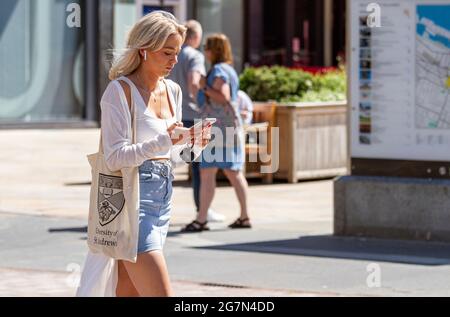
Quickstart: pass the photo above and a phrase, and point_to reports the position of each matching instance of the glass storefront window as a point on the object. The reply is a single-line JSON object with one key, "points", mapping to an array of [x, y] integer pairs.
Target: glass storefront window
{"points": [[127, 12], [125, 15], [224, 16], [41, 62]]}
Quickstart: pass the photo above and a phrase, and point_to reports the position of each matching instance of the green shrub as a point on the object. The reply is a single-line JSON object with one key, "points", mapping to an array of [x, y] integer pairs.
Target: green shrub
{"points": [[287, 85], [333, 81], [323, 95]]}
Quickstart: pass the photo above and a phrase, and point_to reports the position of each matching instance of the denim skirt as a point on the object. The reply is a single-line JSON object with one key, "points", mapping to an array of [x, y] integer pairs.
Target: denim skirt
{"points": [[155, 204], [231, 158]]}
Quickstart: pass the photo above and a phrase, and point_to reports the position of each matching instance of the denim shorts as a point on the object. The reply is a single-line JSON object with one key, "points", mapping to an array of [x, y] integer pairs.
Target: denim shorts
{"points": [[155, 204]]}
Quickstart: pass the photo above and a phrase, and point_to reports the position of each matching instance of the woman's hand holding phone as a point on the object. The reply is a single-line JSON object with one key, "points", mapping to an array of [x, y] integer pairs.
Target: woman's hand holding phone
{"points": [[197, 135], [202, 132], [178, 134]]}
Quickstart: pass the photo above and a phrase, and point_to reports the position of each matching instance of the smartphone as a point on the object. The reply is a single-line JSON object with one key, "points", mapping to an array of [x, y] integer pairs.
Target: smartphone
{"points": [[204, 123], [210, 120]]}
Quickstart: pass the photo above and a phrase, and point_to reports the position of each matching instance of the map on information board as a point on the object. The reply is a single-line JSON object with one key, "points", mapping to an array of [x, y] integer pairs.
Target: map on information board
{"points": [[433, 67]]}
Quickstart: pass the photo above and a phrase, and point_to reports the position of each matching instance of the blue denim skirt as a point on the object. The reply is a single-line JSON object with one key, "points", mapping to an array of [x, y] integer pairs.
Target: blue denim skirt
{"points": [[231, 158], [155, 204]]}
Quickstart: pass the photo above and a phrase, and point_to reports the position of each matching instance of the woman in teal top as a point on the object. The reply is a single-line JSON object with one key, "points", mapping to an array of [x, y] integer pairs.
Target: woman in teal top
{"points": [[219, 92]]}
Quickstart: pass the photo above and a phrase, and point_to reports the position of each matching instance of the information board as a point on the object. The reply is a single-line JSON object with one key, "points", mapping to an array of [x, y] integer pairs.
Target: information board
{"points": [[400, 81]]}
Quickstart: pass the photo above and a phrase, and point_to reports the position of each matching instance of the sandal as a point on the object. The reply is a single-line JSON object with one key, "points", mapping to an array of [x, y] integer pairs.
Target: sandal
{"points": [[240, 224], [195, 226]]}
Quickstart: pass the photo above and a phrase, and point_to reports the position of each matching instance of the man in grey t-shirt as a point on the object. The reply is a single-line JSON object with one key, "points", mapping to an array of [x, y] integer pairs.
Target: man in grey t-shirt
{"points": [[187, 73], [189, 70]]}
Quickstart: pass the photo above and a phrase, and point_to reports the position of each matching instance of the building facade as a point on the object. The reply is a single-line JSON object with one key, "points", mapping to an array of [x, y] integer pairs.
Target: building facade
{"points": [[55, 54]]}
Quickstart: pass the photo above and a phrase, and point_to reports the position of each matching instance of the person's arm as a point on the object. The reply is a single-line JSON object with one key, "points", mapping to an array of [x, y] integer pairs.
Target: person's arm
{"points": [[219, 92], [176, 153], [196, 69], [186, 153], [245, 107], [194, 78]]}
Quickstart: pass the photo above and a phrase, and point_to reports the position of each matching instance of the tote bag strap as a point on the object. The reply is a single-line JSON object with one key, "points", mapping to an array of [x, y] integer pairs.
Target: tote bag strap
{"points": [[133, 90], [131, 107]]}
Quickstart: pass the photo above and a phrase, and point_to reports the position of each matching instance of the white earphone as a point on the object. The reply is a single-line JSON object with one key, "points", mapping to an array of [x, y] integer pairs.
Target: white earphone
{"points": [[145, 55]]}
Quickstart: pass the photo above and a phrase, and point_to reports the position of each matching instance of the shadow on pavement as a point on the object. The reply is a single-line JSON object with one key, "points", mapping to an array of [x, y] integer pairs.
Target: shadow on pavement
{"points": [[78, 184], [77, 229], [252, 182], [395, 251], [187, 184], [177, 232]]}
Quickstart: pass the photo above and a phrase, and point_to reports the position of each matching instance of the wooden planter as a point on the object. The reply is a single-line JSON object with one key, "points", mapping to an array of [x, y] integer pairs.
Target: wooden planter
{"points": [[312, 140]]}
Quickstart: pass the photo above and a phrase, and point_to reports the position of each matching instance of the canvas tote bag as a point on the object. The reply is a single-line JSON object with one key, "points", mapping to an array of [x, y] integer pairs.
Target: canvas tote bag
{"points": [[114, 202]]}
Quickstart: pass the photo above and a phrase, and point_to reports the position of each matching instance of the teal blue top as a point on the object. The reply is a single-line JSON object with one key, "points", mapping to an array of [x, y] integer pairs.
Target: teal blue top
{"points": [[227, 74]]}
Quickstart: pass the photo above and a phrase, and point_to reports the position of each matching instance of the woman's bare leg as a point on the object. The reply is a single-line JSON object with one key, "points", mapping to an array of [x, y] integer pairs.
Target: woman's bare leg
{"points": [[149, 274], [239, 182], [125, 287], [207, 191]]}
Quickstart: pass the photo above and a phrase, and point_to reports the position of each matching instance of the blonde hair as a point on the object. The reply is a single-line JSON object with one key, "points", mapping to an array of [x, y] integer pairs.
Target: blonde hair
{"points": [[150, 32], [219, 46]]}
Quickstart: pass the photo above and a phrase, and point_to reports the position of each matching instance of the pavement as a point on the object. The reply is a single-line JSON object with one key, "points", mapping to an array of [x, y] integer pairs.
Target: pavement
{"points": [[291, 250]]}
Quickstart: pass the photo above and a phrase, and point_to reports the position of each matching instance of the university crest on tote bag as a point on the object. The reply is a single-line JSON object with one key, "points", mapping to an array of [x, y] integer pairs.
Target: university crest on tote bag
{"points": [[111, 199]]}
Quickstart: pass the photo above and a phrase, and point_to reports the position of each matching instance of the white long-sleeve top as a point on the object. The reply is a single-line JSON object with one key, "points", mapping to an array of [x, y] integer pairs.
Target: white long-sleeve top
{"points": [[116, 129]]}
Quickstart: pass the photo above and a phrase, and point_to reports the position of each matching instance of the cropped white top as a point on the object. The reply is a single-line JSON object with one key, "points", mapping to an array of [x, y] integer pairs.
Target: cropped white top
{"points": [[152, 139], [148, 126]]}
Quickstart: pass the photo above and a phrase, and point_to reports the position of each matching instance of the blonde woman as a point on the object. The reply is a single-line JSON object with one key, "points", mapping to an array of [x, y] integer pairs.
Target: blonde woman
{"points": [[138, 76]]}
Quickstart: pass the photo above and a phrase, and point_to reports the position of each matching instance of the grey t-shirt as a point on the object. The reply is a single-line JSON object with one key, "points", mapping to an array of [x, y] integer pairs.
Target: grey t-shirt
{"points": [[189, 60]]}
